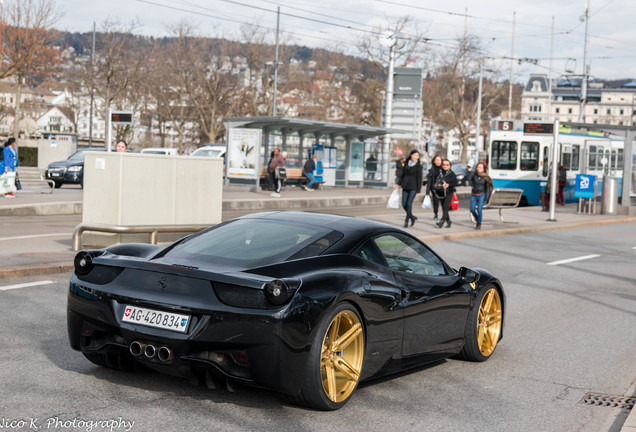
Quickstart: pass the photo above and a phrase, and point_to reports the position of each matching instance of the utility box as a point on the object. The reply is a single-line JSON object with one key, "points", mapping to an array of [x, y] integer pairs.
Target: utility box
{"points": [[131, 189], [55, 148]]}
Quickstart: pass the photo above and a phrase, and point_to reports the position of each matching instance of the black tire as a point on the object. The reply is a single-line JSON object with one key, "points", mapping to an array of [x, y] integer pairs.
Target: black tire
{"points": [[58, 185], [346, 319], [483, 330]]}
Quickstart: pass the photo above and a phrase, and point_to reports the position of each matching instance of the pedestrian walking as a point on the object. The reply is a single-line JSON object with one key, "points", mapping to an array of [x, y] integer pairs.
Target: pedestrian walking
{"points": [[433, 173], [562, 179], [481, 185], [444, 189], [411, 182], [308, 171], [10, 154]]}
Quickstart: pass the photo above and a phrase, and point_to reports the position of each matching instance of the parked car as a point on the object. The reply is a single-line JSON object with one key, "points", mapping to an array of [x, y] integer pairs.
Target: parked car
{"points": [[69, 171], [306, 304], [161, 151], [461, 172], [215, 151]]}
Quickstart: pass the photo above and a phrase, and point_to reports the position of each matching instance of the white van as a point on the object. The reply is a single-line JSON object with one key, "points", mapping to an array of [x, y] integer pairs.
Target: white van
{"points": [[161, 151]]}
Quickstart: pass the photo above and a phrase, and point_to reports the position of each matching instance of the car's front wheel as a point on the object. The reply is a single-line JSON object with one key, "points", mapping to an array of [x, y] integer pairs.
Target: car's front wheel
{"points": [[335, 363], [484, 326]]}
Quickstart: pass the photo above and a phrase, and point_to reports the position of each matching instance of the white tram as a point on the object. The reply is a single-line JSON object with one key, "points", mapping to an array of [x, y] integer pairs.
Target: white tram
{"points": [[519, 156]]}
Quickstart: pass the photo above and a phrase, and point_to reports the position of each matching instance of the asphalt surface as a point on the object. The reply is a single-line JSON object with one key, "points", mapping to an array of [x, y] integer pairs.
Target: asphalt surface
{"points": [[35, 241], [569, 331]]}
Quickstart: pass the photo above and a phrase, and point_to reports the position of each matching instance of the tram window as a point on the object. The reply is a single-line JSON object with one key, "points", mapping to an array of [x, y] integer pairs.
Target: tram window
{"points": [[592, 156], [566, 160], [619, 166], [529, 156], [504, 155], [546, 153], [576, 154]]}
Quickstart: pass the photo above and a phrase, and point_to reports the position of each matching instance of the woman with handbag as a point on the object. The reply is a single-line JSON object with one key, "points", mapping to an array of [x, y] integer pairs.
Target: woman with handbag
{"points": [[411, 181], [481, 184], [433, 173], [10, 154], [444, 189]]}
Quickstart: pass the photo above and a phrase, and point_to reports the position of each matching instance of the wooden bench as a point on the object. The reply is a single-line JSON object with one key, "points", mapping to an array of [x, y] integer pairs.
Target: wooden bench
{"points": [[294, 174], [502, 199]]}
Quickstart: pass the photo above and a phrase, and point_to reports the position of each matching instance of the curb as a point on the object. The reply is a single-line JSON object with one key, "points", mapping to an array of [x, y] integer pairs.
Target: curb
{"points": [[43, 209], [265, 203], [35, 270], [524, 230]]}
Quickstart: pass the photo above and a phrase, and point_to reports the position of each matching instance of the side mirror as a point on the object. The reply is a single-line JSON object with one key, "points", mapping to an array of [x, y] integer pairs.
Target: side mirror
{"points": [[467, 275]]}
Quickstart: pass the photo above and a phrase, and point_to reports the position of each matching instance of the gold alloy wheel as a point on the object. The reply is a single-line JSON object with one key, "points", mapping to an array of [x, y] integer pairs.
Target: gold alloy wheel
{"points": [[489, 322], [341, 356]]}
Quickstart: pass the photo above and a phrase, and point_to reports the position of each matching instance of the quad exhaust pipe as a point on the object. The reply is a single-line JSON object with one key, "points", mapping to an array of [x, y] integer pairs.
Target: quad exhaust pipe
{"points": [[162, 353]]}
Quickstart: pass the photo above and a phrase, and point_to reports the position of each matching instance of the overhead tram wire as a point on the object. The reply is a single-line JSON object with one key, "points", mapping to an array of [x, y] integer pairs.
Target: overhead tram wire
{"points": [[243, 22]]}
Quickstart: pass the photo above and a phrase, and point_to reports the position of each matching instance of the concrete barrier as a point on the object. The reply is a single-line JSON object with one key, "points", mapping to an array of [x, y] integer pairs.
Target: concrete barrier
{"points": [[129, 189]]}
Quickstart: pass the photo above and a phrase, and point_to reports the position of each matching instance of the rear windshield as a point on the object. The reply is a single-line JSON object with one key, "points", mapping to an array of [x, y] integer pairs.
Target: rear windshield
{"points": [[255, 242]]}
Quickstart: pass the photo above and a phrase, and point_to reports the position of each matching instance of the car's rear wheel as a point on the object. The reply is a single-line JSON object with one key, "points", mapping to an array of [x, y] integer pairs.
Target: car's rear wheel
{"points": [[335, 362], [484, 326]]}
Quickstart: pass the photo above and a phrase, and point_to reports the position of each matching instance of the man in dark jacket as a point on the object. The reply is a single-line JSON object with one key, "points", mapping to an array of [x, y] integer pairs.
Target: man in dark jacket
{"points": [[308, 171]]}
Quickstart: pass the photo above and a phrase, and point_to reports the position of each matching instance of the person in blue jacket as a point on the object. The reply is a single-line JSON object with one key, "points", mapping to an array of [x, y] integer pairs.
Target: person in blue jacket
{"points": [[10, 154]]}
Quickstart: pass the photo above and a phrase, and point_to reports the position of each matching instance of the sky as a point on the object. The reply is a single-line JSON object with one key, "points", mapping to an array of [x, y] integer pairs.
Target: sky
{"points": [[340, 24]]}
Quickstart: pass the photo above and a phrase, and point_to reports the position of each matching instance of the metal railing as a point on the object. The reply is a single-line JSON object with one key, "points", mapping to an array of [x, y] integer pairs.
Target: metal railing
{"points": [[152, 231]]}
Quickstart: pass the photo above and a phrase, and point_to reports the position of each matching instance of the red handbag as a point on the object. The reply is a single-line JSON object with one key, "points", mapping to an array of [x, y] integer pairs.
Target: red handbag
{"points": [[454, 205]]}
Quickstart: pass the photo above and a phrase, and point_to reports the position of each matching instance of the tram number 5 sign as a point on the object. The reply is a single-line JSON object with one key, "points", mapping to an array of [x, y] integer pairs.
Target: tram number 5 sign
{"points": [[504, 125]]}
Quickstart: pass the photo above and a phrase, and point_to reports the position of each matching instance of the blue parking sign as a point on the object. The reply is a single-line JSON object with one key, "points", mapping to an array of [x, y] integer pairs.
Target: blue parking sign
{"points": [[585, 186]]}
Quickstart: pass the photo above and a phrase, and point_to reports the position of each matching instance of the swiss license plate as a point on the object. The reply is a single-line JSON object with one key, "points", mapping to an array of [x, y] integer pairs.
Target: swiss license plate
{"points": [[159, 319]]}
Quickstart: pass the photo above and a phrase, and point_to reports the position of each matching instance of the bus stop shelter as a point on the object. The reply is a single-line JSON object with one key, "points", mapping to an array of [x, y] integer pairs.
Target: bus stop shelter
{"points": [[352, 155]]}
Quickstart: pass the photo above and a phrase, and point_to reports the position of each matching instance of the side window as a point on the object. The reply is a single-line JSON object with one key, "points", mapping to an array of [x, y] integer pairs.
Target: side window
{"points": [[405, 254], [576, 151], [546, 155], [369, 251]]}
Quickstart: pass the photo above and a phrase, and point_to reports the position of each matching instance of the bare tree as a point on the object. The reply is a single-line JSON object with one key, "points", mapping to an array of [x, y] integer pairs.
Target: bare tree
{"points": [[26, 47], [118, 67], [450, 93], [172, 80]]}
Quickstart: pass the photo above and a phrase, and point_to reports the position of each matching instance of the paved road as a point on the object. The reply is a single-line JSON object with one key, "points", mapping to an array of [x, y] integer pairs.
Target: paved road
{"points": [[569, 331]]}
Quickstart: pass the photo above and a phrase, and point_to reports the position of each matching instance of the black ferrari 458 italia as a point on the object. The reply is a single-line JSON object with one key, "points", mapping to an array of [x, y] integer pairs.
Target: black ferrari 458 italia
{"points": [[301, 303]]}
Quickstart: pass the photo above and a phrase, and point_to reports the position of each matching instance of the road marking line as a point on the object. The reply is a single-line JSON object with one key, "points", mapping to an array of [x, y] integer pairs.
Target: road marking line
{"points": [[565, 261], [24, 285], [36, 236]]}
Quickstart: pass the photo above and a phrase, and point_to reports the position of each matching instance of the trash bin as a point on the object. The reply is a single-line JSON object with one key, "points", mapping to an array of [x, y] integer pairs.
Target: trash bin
{"points": [[609, 196]]}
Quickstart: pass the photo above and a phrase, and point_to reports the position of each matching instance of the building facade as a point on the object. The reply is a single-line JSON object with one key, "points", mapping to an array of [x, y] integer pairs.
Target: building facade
{"points": [[606, 104]]}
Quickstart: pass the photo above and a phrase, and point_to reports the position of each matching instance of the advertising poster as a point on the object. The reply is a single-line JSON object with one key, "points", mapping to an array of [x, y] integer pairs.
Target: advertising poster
{"points": [[356, 161], [243, 149]]}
